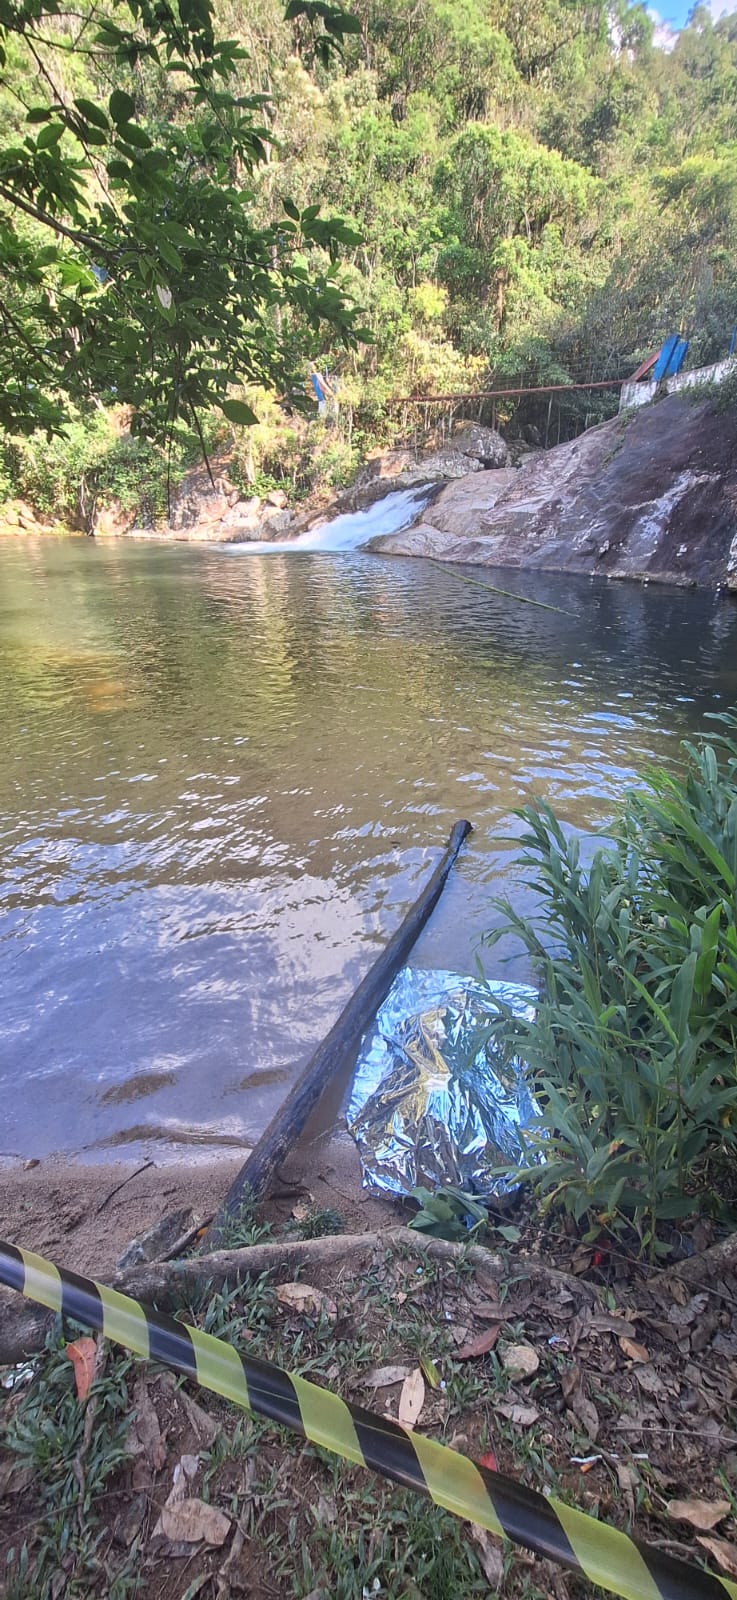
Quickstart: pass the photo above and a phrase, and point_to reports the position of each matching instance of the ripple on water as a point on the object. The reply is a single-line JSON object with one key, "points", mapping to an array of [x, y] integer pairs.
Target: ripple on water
{"points": [[224, 781]]}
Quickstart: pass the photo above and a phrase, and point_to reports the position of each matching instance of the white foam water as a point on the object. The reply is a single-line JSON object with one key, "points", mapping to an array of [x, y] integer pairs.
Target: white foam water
{"points": [[352, 530]]}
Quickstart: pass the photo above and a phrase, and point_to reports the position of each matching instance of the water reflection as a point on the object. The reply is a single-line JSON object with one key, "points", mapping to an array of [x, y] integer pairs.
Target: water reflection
{"points": [[225, 779]]}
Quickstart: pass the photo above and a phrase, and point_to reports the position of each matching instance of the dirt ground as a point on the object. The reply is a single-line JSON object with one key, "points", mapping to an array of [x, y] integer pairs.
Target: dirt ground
{"points": [[85, 1216], [605, 1382]]}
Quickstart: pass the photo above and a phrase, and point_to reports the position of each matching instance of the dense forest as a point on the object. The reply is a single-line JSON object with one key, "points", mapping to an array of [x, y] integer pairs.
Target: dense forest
{"points": [[451, 194]]}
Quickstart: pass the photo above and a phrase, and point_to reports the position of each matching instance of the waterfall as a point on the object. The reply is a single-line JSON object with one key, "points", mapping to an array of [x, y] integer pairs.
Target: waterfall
{"points": [[350, 531]]}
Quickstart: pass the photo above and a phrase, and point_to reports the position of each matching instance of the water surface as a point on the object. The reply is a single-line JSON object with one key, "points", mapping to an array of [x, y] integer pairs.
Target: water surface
{"points": [[224, 779]]}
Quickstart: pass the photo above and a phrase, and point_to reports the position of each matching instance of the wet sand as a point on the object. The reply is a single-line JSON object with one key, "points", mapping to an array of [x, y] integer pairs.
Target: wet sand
{"points": [[68, 1210]]}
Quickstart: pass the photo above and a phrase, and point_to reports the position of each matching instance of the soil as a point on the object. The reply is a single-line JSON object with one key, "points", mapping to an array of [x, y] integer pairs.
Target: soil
{"points": [[623, 1403], [72, 1212]]}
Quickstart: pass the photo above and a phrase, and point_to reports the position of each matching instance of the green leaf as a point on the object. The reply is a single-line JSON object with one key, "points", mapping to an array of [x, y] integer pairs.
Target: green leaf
{"points": [[171, 256], [50, 135], [122, 106], [291, 210], [92, 113], [39, 114], [237, 411], [131, 134], [681, 998]]}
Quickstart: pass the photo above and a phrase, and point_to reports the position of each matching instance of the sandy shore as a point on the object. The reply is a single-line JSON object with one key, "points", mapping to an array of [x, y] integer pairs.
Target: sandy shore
{"points": [[71, 1212]]}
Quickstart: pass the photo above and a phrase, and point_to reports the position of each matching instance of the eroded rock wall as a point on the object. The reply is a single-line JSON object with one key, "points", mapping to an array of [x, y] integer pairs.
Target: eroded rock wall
{"points": [[649, 496]]}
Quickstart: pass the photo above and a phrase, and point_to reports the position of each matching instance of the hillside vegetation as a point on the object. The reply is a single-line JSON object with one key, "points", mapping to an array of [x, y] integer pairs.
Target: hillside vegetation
{"points": [[523, 195]]}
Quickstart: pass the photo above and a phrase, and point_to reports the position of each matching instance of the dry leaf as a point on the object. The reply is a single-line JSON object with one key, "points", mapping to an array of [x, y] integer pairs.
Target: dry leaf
{"points": [[520, 1361], [412, 1398], [302, 1297], [628, 1479], [192, 1521], [635, 1351], [480, 1345], [489, 1554], [144, 1437], [703, 1514], [647, 1378], [326, 1510], [384, 1377], [82, 1354], [522, 1416], [587, 1414], [724, 1554]]}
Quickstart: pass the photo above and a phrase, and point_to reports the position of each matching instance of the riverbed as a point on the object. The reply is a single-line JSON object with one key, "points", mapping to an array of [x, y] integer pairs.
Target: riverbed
{"points": [[225, 779]]}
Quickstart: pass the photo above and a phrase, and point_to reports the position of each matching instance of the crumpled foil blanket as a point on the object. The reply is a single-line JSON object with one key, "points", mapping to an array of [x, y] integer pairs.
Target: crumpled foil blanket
{"points": [[432, 1101]]}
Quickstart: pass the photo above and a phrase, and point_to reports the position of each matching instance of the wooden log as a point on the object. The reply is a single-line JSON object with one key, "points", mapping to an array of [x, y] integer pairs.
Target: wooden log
{"points": [[336, 1050], [168, 1285]]}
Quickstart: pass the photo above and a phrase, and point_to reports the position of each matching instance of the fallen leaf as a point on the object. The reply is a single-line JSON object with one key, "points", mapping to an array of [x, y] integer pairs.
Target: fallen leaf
{"points": [[602, 1322], [302, 1297], [480, 1345], [192, 1521], [520, 1361], [384, 1377], [647, 1378], [587, 1414], [82, 1354], [430, 1372], [635, 1351], [489, 1460], [724, 1554], [521, 1416], [703, 1514], [628, 1479], [412, 1398], [489, 1554], [144, 1437], [326, 1510]]}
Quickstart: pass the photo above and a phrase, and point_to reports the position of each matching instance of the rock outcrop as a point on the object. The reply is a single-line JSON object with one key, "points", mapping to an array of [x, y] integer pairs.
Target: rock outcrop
{"points": [[16, 516], [649, 496], [469, 449], [214, 512]]}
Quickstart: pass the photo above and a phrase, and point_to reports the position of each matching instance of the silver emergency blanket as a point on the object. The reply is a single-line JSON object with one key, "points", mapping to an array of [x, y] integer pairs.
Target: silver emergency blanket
{"points": [[432, 1100]]}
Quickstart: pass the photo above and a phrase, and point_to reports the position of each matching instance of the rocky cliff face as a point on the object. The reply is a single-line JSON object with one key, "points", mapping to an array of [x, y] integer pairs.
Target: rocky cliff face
{"points": [[651, 496]]}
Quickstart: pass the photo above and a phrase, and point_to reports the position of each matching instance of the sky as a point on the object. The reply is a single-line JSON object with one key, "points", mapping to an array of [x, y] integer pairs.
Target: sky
{"points": [[670, 15]]}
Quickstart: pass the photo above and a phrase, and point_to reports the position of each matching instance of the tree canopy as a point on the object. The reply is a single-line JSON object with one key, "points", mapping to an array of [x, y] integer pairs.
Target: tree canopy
{"points": [[197, 197], [133, 263]]}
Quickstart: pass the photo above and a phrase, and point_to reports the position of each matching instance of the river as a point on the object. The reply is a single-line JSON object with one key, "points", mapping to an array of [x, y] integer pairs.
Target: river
{"points": [[225, 776]]}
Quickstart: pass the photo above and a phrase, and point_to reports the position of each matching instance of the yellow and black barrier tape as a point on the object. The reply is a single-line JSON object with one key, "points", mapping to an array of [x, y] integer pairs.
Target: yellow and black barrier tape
{"points": [[607, 1557]]}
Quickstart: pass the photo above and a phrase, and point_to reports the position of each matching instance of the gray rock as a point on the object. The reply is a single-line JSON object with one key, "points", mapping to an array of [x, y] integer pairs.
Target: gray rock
{"points": [[650, 495], [484, 445]]}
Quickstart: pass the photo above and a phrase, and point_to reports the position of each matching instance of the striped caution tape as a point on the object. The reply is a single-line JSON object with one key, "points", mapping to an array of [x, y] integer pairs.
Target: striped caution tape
{"points": [[548, 1527]]}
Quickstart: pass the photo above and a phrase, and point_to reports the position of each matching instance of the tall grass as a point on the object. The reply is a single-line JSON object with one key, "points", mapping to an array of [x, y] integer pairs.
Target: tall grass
{"points": [[634, 1043]]}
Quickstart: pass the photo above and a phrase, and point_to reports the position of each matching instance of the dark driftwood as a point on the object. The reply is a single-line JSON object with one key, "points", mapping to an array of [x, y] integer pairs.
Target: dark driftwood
{"points": [[336, 1051], [168, 1284]]}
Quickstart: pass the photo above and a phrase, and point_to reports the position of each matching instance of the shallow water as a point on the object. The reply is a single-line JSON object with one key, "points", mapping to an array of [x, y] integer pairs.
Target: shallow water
{"points": [[224, 781]]}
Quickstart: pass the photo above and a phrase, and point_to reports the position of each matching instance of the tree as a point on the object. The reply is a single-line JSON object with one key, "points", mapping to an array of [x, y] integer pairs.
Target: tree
{"points": [[131, 267]]}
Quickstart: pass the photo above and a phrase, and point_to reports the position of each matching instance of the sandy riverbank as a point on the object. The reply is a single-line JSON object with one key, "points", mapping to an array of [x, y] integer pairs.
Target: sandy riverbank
{"points": [[71, 1212]]}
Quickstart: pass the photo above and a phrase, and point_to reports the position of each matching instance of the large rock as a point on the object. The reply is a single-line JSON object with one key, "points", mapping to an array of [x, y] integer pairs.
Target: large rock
{"points": [[651, 496], [112, 521], [470, 449], [484, 445]]}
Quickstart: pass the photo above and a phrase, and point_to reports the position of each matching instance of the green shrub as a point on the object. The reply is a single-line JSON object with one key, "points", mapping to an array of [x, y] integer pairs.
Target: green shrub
{"points": [[634, 1042]]}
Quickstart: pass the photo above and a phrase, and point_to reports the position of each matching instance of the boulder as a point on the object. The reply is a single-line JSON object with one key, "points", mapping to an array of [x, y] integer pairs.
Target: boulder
{"points": [[276, 497], [650, 495], [112, 521], [481, 444]]}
